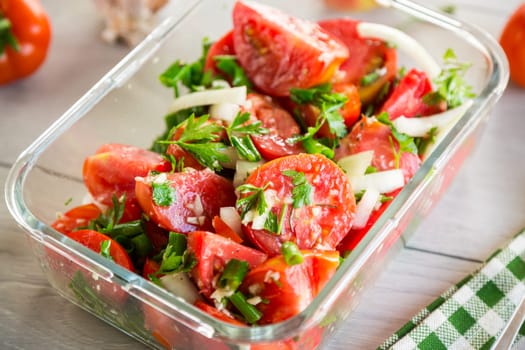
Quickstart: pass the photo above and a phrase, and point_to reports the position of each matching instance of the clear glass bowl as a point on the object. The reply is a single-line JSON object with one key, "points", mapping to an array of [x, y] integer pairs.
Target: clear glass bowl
{"points": [[127, 106]]}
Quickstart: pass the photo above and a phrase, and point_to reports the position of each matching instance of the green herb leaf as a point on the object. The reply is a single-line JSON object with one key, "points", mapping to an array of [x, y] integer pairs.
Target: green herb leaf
{"points": [[254, 200], [238, 133], [302, 192], [191, 75], [406, 143], [329, 104], [176, 258], [229, 65], [451, 84], [163, 193], [201, 140]]}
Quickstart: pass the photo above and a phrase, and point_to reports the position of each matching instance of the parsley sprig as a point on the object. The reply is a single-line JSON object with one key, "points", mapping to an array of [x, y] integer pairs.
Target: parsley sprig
{"points": [[302, 192], [201, 140], [451, 84], [163, 193], [228, 65], [406, 143], [254, 200], [239, 132], [329, 103], [176, 257]]}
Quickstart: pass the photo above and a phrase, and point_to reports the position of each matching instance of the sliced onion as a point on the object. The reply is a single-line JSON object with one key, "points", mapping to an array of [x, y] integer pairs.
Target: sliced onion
{"points": [[404, 43], [419, 127], [365, 207], [224, 111], [232, 154], [382, 181], [180, 284], [235, 95], [356, 164], [243, 168], [231, 217]]}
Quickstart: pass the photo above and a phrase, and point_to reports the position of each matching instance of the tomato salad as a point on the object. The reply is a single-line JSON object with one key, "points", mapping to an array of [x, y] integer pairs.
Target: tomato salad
{"points": [[290, 141]]}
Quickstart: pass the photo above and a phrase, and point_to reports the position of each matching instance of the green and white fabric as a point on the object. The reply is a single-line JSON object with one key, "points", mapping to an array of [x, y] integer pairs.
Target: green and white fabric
{"points": [[471, 314]]}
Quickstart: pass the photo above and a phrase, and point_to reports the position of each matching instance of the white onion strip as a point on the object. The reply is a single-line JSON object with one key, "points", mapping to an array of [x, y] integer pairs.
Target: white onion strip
{"points": [[231, 217], [382, 181], [180, 284], [235, 95], [365, 207], [419, 127], [224, 111], [404, 43], [356, 164]]}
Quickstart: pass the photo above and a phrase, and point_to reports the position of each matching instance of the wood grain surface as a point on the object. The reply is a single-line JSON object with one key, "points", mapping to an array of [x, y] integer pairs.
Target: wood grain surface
{"points": [[483, 208]]}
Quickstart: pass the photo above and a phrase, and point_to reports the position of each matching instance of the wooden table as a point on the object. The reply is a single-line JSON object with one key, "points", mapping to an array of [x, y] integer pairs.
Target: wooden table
{"points": [[483, 208]]}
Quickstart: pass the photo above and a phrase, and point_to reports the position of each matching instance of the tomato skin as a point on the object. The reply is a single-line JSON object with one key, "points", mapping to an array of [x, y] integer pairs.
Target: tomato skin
{"points": [[407, 97], [366, 54], [76, 217], [279, 52], [370, 134], [191, 186], [221, 228], [320, 225], [112, 171], [297, 284], [280, 124], [223, 46], [512, 41], [213, 252], [32, 31], [93, 240]]}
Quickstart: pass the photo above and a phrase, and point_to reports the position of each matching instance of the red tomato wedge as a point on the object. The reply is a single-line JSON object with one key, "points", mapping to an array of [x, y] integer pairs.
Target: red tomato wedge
{"points": [[279, 52], [76, 218], [289, 289], [321, 224], [198, 197], [280, 124], [213, 252], [223, 46], [370, 134], [407, 97], [366, 55], [112, 171], [221, 228], [93, 240]]}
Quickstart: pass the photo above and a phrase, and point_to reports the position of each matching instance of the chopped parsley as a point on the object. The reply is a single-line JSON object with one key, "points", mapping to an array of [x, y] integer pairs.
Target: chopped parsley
{"points": [[254, 200], [302, 192], [176, 257], [239, 132], [228, 64], [406, 143], [163, 193], [452, 87], [201, 140]]}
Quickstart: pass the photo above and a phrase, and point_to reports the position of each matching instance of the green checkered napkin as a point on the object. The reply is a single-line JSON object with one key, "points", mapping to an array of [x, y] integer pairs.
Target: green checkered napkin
{"points": [[471, 314]]}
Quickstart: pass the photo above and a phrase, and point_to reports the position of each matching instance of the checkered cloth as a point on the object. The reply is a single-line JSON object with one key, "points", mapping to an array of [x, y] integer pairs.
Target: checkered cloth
{"points": [[471, 314]]}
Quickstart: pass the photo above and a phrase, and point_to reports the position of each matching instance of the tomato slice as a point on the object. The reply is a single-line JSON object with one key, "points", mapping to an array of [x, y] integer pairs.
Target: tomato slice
{"points": [[112, 171], [370, 134], [198, 197], [279, 52], [223, 46], [366, 55], [76, 218], [321, 224], [213, 252], [407, 97], [289, 289], [280, 124], [221, 228], [93, 240]]}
